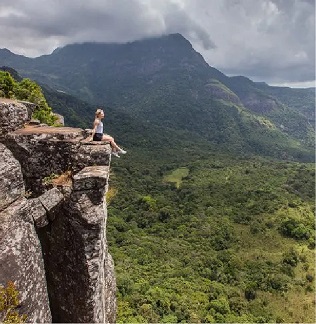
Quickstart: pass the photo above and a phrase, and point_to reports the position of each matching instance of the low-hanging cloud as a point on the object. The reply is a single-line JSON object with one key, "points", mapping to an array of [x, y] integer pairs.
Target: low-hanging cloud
{"points": [[266, 40]]}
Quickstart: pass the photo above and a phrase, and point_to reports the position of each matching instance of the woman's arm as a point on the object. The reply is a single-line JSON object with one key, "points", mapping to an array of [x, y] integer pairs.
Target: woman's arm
{"points": [[95, 124]]}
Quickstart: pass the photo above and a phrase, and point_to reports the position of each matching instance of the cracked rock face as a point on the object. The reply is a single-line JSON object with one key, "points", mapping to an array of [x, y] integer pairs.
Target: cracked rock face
{"points": [[11, 179], [20, 249], [77, 250], [43, 151]]}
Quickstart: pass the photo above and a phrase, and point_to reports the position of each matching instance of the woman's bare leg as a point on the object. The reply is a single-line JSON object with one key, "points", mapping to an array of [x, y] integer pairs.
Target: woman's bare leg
{"points": [[108, 138]]}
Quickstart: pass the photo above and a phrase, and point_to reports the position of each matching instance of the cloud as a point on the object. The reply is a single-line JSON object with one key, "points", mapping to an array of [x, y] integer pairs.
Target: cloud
{"points": [[266, 40]]}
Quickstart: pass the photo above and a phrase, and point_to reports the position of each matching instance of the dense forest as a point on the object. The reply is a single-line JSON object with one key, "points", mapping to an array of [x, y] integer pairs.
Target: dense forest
{"points": [[204, 237]]}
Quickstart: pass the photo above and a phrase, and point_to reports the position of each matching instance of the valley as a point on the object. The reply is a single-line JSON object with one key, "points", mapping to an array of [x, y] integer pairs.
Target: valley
{"points": [[211, 211]]}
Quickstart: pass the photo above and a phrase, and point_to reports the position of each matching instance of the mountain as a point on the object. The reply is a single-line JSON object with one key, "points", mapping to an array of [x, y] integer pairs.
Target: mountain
{"points": [[164, 82], [197, 234], [75, 111], [292, 110]]}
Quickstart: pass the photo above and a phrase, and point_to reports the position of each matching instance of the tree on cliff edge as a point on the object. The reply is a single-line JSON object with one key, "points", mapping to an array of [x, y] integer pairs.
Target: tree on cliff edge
{"points": [[27, 90]]}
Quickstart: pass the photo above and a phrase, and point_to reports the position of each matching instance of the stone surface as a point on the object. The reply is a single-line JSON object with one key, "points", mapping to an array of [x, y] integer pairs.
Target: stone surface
{"points": [[77, 250], [91, 154], [92, 177], [257, 103], [21, 261], [219, 91], [53, 243], [13, 115], [110, 289], [38, 213], [52, 200], [11, 179], [43, 151]]}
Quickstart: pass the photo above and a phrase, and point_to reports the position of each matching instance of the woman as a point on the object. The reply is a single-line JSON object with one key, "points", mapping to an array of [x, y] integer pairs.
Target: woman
{"points": [[97, 134]]}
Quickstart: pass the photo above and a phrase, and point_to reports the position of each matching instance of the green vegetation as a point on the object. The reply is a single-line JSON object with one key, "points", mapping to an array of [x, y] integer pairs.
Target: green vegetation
{"points": [[27, 90], [9, 302], [197, 235], [49, 179], [231, 242], [76, 113], [164, 83], [176, 176]]}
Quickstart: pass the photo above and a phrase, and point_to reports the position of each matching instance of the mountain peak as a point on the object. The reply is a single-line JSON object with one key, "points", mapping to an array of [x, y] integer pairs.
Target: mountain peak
{"points": [[4, 52], [167, 39]]}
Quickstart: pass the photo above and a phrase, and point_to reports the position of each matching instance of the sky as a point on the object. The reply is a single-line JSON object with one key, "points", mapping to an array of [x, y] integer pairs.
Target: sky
{"points": [[266, 40]]}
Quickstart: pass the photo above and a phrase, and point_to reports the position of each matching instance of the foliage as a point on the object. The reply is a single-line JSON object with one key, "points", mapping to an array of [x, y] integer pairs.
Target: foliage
{"points": [[76, 112], [53, 179], [293, 227], [210, 250], [6, 85], [49, 178], [9, 302], [27, 90], [177, 175]]}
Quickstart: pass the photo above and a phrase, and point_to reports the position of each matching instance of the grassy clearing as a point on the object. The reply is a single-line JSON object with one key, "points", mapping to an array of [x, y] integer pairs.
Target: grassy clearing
{"points": [[177, 175]]}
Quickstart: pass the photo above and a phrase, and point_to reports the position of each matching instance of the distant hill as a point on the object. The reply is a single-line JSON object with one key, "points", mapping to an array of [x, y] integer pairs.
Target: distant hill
{"points": [[165, 83]]}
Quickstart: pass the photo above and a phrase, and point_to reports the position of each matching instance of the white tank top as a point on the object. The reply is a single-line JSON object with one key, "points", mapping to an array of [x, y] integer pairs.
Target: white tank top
{"points": [[99, 128]]}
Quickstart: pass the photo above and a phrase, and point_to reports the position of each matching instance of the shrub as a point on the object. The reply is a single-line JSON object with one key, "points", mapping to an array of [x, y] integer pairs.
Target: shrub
{"points": [[291, 258], [309, 277], [6, 84], [278, 282], [220, 305], [9, 302], [250, 292], [294, 228]]}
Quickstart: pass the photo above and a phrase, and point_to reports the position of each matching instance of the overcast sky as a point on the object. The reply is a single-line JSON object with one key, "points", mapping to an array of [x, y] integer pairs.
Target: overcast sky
{"points": [[265, 40]]}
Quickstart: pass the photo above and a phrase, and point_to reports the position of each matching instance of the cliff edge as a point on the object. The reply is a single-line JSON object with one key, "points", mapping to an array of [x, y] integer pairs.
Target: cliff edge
{"points": [[53, 220]]}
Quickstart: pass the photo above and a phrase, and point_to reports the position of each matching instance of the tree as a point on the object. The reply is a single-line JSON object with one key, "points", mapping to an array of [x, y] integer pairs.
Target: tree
{"points": [[27, 90], [7, 84], [30, 91]]}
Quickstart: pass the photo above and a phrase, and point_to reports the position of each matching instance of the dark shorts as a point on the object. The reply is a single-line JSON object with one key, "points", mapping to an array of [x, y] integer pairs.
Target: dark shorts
{"points": [[97, 137]]}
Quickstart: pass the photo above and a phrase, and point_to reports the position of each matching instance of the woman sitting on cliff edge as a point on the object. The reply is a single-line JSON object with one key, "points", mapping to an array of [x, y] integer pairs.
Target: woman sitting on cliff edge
{"points": [[97, 134]]}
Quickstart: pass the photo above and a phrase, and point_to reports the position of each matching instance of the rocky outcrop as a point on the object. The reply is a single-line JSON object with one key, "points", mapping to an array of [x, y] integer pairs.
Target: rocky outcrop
{"points": [[258, 102], [20, 249], [220, 92], [44, 151], [53, 236], [13, 115], [77, 277]]}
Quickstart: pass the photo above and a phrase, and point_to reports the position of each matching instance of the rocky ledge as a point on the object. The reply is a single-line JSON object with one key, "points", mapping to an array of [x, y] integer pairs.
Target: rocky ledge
{"points": [[53, 220]]}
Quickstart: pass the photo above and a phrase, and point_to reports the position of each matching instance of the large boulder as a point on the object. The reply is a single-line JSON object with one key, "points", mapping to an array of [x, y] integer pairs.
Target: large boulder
{"points": [[13, 115], [59, 225]]}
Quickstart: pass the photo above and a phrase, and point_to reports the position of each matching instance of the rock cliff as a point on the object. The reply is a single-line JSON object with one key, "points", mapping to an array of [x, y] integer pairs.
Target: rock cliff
{"points": [[53, 220]]}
